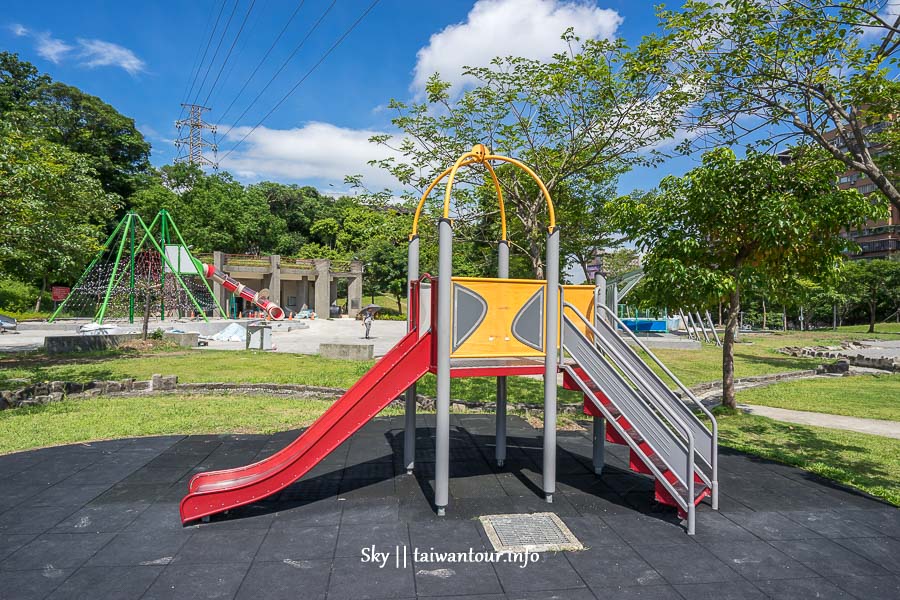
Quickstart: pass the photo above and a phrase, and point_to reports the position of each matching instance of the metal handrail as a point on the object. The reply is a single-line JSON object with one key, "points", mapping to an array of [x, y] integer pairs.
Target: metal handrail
{"points": [[621, 431], [689, 394], [685, 503], [659, 403]]}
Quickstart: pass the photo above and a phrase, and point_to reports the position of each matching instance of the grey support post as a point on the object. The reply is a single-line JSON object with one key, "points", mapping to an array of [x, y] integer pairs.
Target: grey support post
{"points": [[599, 429], [551, 364], [712, 328], [702, 327], [409, 427], [442, 425], [500, 436]]}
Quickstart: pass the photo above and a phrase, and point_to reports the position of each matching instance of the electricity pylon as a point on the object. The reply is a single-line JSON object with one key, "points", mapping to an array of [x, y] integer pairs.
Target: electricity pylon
{"points": [[194, 138]]}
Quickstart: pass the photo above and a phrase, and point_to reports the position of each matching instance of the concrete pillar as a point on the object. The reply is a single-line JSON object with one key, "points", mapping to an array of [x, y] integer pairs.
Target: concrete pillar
{"points": [[275, 279], [354, 288], [323, 287], [302, 292], [220, 292]]}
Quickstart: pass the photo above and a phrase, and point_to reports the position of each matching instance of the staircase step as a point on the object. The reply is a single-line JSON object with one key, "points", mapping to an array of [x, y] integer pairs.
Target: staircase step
{"points": [[663, 496]]}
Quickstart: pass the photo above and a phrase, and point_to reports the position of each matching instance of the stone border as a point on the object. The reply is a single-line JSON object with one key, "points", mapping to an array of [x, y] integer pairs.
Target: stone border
{"points": [[844, 352], [55, 391]]}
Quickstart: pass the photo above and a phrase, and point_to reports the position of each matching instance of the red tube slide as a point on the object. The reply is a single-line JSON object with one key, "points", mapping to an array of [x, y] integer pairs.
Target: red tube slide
{"points": [[274, 311]]}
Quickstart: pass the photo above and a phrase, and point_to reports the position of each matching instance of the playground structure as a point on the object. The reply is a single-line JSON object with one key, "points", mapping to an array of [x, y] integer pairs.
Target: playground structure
{"points": [[270, 308], [500, 327], [130, 274], [695, 326]]}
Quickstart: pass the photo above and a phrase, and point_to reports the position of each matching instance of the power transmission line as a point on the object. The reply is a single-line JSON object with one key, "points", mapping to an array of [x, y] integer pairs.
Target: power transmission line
{"points": [[305, 76], [205, 51], [283, 64], [263, 59], [230, 50], [216, 53]]}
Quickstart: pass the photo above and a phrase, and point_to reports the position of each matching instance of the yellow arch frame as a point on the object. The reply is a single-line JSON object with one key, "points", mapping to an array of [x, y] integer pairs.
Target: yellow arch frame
{"points": [[480, 155]]}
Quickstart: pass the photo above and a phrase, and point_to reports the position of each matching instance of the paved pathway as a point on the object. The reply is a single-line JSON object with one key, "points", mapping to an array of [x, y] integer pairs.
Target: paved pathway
{"points": [[872, 426], [100, 521]]}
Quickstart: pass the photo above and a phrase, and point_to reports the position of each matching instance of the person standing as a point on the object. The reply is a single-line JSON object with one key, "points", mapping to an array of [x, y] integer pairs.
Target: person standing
{"points": [[367, 322]]}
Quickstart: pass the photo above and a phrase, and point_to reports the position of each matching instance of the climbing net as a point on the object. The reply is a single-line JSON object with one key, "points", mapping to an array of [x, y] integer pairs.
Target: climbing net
{"points": [[107, 290]]}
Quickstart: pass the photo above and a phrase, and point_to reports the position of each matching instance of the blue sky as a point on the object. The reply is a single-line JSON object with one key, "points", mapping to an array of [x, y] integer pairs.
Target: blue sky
{"points": [[138, 56]]}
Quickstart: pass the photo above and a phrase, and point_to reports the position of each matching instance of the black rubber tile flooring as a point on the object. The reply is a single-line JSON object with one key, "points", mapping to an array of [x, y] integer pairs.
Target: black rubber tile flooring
{"points": [[100, 521]]}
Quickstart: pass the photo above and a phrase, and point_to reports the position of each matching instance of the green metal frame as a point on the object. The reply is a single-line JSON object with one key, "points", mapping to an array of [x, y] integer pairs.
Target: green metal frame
{"points": [[112, 279], [97, 257], [131, 221], [197, 264]]}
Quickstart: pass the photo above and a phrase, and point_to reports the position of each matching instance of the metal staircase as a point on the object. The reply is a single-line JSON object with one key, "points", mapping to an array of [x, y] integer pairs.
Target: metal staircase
{"points": [[666, 438]]}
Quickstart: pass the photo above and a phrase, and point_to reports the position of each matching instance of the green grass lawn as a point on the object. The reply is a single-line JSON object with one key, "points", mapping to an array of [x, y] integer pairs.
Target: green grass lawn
{"points": [[867, 396], [868, 462], [103, 418], [756, 353], [252, 367]]}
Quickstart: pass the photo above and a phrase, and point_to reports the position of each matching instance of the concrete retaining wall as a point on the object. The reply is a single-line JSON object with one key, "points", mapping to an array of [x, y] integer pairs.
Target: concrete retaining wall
{"points": [[88, 343], [348, 351]]}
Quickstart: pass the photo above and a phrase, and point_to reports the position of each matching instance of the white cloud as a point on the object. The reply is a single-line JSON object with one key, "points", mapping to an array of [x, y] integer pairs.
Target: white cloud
{"points": [[51, 48], [91, 53], [525, 28], [98, 53], [318, 151]]}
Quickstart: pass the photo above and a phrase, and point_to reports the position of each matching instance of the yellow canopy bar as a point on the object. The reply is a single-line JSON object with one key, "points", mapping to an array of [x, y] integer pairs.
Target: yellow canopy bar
{"points": [[479, 155]]}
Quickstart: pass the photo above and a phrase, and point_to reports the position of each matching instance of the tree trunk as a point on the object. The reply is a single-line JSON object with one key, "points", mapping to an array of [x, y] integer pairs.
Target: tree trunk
{"points": [[399, 306], [764, 313], [37, 305], [731, 326], [872, 306], [783, 318], [720, 313], [146, 325]]}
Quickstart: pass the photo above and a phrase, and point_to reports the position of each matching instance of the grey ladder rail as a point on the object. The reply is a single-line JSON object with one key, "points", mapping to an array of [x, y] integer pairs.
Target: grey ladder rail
{"points": [[706, 438], [654, 427]]}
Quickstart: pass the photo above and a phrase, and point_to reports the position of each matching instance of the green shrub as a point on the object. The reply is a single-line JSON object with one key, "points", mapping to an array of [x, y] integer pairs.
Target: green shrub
{"points": [[27, 315], [383, 316], [18, 296]]}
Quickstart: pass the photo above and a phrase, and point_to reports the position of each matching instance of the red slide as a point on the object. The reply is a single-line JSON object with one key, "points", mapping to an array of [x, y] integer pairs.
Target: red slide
{"points": [[216, 491]]}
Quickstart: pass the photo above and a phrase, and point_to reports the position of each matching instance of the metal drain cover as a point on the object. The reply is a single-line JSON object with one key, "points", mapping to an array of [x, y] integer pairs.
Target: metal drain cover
{"points": [[538, 532]]}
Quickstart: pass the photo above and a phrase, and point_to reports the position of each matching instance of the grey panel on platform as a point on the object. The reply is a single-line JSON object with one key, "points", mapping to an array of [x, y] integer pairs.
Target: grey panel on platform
{"points": [[528, 324], [469, 310]]}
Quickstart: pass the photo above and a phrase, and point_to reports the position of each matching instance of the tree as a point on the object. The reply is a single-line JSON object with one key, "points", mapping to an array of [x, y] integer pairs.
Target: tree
{"points": [[769, 71], [213, 212], [20, 86], [87, 125], [578, 120], [871, 282], [620, 261], [730, 224], [52, 208], [80, 122]]}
